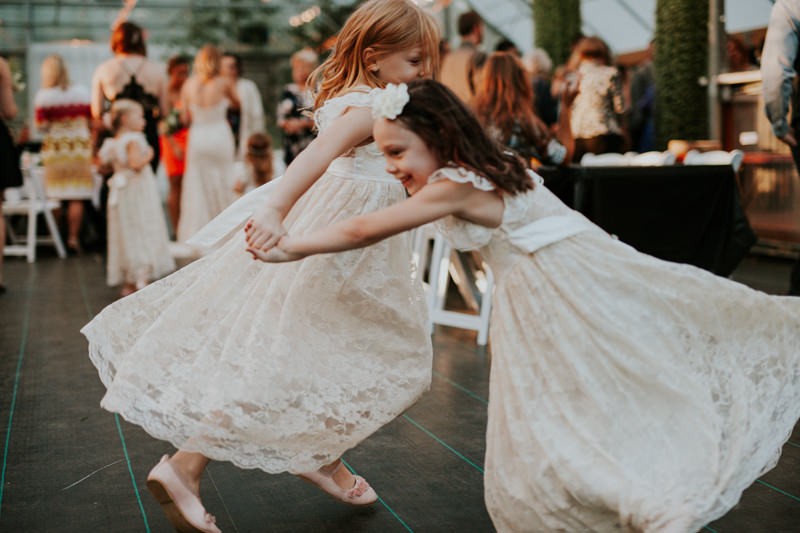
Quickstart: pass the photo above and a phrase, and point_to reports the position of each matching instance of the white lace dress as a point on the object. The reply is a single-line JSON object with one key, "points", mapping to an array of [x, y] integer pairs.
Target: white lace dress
{"points": [[138, 242], [627, 393], [280, 367], [207, 186]]}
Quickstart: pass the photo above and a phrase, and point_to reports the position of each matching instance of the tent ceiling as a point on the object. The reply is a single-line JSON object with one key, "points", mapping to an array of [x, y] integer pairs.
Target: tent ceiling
{"points": [[627, 25]]}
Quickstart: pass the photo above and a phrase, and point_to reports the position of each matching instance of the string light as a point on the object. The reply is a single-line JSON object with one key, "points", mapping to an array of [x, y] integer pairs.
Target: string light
{"points": [[305, 17]]}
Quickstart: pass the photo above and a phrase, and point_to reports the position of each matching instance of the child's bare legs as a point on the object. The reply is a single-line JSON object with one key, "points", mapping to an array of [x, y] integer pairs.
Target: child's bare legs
{"points": [[342, 476], [74, 219], [175, 483], [190, 466]]}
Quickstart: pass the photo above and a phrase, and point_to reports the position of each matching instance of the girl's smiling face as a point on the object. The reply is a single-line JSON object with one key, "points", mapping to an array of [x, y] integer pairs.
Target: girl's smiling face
{"points": [[400, 67], [408, 157]]}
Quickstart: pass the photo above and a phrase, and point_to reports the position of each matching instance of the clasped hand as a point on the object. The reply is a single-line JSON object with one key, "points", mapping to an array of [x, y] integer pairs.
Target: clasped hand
{"points": [[264, 232]]}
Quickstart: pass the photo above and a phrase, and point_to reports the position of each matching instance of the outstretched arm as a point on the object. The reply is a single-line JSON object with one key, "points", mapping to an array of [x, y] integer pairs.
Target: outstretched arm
{"points": [[431, 203], [349, 130]]}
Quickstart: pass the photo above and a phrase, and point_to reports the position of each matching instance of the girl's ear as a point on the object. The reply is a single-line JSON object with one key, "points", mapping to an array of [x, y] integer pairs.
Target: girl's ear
{"points": [[371, 60]]}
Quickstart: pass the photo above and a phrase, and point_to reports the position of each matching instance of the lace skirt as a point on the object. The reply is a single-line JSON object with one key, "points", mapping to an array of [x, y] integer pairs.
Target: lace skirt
{"points": [[280, 367], [628, 393]]}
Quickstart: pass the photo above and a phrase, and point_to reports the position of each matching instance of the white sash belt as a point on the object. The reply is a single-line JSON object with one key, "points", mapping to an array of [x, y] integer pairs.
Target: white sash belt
{"points": [[548, 230]]}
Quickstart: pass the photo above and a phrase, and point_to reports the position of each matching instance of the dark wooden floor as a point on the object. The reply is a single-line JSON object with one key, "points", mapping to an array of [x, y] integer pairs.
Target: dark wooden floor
{"points": [[69, 466]]}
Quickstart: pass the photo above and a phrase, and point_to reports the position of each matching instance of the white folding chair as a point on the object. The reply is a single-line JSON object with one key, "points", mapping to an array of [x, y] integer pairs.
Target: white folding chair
{"points": [[651, 159], [611, 159], [715, 157], [440, 270], [30, 201]]}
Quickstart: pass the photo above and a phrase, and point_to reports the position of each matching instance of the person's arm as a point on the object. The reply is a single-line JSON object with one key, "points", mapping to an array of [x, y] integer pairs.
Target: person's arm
{"points": [[138, 156], [345, 132], [777, 68], [564, 129], [186, 101], [230, 91], [8, 108], [97, 96], [431, 203]]}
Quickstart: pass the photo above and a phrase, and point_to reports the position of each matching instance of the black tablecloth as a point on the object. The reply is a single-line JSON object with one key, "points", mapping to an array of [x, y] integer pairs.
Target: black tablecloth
{"points": [[687, 214]]}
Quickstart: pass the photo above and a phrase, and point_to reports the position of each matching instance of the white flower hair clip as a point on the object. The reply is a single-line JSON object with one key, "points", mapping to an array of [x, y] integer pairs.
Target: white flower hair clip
{"points": [[389, 102]]}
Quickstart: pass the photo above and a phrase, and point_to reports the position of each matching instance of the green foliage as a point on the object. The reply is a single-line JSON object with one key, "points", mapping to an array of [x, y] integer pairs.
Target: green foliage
{"points": [[557, 23], [681, 60], [233, 24]]}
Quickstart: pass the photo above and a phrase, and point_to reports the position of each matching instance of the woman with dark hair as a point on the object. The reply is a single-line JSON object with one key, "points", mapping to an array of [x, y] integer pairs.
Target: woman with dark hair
{"points": [[504, 104], [130, 75]]}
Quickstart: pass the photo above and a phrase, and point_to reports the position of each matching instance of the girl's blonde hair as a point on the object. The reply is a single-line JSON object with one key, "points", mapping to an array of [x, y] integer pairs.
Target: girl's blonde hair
{"points": [[119, 109], [207, 62], [54, 72], [386, 27]]}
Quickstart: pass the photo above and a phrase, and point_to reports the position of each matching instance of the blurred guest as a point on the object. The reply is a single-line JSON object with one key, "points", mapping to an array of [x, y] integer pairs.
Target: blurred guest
{"points": [[210, 152], [130, 75], [174, 134], [740, 57], [455, 65], [10, 174], [506, 45], [296, 103], [779, 66], [248, 118], [63, 115], [643, 103], [504, 105], [475, 71], [597, 109], [257, 168], [540, 66]]}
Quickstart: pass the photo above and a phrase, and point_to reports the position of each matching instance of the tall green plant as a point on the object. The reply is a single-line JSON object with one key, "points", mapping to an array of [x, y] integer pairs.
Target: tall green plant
{"points": [[557, 23], [681, 61]]}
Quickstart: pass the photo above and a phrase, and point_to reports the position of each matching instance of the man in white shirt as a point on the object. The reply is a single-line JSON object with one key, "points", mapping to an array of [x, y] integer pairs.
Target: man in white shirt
{"points": [[249, 118]]}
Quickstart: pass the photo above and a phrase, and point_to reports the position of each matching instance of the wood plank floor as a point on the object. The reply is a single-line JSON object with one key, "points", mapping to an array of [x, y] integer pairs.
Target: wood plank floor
{"points": [[69, 466]]}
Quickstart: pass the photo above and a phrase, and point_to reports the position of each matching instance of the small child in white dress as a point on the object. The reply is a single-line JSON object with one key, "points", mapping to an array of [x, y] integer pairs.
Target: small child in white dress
{"points": [[138, 242], [257, 167], [626, 393]]}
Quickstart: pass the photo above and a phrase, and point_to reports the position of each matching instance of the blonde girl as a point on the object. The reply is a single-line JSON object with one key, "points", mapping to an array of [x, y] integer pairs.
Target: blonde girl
{"points": [[285, 367], [138, 247]]}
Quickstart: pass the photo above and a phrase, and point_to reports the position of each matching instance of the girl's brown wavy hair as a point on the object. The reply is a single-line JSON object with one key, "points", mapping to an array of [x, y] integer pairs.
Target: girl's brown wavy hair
{"points": [[385, 26], [504, 99], [453, 133]]}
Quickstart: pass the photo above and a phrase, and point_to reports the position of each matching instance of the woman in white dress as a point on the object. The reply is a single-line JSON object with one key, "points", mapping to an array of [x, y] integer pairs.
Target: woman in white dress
{"points": [[211, 150], [626, 393], [285, 367]]}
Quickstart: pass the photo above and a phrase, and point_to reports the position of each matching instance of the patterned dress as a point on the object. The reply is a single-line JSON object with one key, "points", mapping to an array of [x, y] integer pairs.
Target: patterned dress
{"points": [[66, 148]]}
